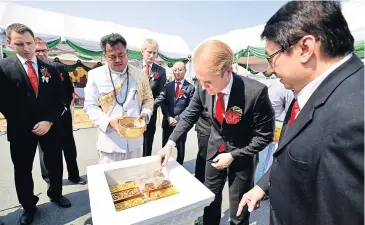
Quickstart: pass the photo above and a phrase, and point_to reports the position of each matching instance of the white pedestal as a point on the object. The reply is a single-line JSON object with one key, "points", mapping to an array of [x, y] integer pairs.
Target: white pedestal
{"points": [[180, 209]]}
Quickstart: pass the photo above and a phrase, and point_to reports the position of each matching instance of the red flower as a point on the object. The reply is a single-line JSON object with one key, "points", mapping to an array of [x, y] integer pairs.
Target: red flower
{"points": [[233, 115], [47, 74], [182, 92], [155, 75], [62, 78]]}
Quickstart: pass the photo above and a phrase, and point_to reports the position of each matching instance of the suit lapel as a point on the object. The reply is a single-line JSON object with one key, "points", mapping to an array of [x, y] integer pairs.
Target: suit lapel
{"points": [[40, 82], [318, 98], [210, 103], [237, 96], [24, 75], [185, 87]]}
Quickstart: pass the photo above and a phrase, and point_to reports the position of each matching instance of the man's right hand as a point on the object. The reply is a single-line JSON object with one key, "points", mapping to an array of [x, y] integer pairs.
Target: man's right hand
{"points": [[114, 123], [252, 198], [164, 154]]}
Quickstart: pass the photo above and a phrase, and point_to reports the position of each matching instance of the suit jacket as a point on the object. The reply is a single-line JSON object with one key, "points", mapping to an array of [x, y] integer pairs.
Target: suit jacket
{"points": [[20, 106], [68, 88], [317, 176], [158, 84], [175, 107], [203, 124], [246, 138]]}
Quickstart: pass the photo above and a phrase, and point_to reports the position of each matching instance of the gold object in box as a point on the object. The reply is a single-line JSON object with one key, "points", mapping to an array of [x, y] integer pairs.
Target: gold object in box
{"points": [[162, 193], [126, 195], [122, 187], [129, 203], [131, 128]]}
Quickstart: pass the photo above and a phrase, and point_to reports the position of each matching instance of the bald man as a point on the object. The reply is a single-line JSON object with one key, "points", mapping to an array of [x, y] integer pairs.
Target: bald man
{"points": [[175, 98], [242, 125]]}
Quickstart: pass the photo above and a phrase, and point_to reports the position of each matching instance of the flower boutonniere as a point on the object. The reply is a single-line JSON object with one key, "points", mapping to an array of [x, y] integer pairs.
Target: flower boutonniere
{"points": [[233, 115], [62, 78], [45, 75], [182, 93], [155, 75]]}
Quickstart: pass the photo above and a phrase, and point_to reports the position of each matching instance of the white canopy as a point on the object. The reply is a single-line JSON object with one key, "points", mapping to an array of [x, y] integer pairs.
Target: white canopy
{"points": [[242, 38], [86, 33]]}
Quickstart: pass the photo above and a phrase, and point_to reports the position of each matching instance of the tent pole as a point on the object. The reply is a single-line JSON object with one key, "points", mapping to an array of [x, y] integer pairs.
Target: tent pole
{"points": [[248, 56]]}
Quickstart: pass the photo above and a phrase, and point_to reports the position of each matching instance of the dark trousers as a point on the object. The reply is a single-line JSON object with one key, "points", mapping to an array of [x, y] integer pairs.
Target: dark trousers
{"points": [[180, 144], [22, 155], [214, 181], [69, 149], [201, 157], [149, 134]]}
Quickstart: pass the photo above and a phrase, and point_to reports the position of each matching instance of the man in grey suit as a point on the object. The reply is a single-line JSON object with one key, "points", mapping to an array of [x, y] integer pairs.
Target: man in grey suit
{"points": [[317, 177], [242, 125]]}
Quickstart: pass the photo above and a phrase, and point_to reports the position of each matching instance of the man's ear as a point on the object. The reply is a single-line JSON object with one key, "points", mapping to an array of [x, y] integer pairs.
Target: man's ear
{"points": [[307, 47]]}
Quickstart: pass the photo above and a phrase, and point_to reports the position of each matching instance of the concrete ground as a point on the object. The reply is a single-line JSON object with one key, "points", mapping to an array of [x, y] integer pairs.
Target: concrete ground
{"points": [[79, 213]]}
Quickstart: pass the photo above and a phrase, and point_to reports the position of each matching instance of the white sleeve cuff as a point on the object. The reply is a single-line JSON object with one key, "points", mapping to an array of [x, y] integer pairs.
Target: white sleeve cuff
{"points": [[104, 123], [172, 143]]}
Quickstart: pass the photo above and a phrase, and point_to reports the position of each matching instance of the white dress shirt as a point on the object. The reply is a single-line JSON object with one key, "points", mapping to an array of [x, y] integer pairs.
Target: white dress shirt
{"points": [[181, 84], [304, 95], [227, 92], [25, 65], [149, 68]]}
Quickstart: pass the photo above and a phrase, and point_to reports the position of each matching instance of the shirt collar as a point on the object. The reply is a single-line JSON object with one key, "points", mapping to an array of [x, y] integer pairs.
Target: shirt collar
{"points": [[227, 89], [24, 60], [149, 65], [181, 82], [119, 73], [304, 95]]}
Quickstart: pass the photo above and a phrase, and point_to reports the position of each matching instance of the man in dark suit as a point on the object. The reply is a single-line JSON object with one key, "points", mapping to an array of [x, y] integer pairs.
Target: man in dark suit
{"points": [[317, 176], [176, 97], [31, 99], [202, 128], [157, 78], [242, 125], [67, 141]]}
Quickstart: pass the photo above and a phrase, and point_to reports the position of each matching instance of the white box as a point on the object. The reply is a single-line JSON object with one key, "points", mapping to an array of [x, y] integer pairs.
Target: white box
{"points": [[182, 208]]}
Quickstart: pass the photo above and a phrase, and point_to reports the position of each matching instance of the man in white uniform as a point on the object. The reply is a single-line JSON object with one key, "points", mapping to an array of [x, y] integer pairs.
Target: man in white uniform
{"points": [[134, 99]]}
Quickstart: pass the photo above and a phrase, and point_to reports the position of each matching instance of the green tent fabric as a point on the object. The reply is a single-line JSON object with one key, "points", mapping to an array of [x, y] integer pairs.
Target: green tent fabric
{"points": [[73, 67], [131, 54], [52, 44]]}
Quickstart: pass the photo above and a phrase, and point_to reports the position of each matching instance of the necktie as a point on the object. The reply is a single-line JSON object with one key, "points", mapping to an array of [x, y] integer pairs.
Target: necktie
{"points": [[219, 108], [32, 76], [177, 90], [147, 70], [294, 111]]}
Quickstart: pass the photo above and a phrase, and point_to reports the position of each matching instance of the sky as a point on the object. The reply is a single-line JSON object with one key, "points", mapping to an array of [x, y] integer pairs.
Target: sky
{"points": [[193, 21]]}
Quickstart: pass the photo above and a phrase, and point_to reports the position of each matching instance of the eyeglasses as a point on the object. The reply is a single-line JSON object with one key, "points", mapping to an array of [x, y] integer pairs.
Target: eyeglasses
{"points": [[270, 57]]}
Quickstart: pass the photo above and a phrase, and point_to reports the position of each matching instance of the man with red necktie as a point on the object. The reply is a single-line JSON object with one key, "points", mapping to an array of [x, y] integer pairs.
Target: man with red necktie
{"points": [[31, 101], [157, 78], [174, 99], [242, 125]]}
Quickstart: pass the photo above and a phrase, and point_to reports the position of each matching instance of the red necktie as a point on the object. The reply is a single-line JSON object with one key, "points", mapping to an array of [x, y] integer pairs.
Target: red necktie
{"points": [[177, 90], [219, 108], [147, 70], [294, 111], [32, 76]]}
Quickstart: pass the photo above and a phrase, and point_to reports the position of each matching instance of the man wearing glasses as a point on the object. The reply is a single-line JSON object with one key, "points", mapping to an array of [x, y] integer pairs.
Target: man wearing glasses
{"points": [[114, 91], [68, 141], [317, 176]]}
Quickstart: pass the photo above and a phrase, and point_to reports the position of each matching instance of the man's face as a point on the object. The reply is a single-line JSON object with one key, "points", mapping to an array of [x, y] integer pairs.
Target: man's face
{"points": [[179, 71], [285, 65], [41, 51], [116, 57], [149, 53], [212, 81], [23, 44]]}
